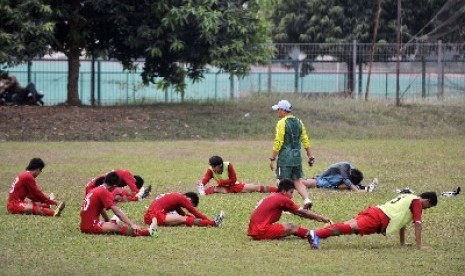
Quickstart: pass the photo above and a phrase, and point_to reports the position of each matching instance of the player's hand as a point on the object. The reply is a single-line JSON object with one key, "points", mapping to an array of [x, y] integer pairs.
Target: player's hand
{"points": [[311, 161], [272, 165], [135, 226]]}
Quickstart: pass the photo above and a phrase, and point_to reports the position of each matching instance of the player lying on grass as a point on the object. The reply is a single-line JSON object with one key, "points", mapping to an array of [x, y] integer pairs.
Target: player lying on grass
{"points": [[167, 209], [225, 176], [341, 176], [136, 191], [100, 199], [383, 219], [263, 222], [25, 186]]}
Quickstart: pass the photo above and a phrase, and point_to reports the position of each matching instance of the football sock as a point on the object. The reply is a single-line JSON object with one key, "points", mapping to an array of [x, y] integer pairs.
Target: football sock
{"points": [[190, 221], [302, 232], [37, 210], [141, 232], [209, 190], [334, 230], [268, 189], [126, 231]]}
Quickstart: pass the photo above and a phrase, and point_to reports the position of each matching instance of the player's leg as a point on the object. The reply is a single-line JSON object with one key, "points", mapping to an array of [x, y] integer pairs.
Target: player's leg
{"points": [[260, 188], [28, 208], [310, 183], [175, 219], [216, 189], [292, 229]]}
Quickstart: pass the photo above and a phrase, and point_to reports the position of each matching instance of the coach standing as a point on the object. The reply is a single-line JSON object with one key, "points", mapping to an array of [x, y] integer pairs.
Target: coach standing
{"points": [[290, 134]]}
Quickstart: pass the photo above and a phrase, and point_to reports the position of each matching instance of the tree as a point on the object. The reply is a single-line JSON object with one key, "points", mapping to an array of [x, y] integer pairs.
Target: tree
{"points": [[175, 39], [337, 21], [24, 31]]}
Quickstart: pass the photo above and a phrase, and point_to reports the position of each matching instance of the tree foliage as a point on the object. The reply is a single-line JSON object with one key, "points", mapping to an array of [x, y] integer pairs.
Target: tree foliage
{"points": [[174, 39], [24, 30]]}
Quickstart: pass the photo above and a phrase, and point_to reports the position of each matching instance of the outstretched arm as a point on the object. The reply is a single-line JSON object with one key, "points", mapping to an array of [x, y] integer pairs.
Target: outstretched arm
{"points": [[310, 215], [402, 236], [123, 217], [418, 229]]}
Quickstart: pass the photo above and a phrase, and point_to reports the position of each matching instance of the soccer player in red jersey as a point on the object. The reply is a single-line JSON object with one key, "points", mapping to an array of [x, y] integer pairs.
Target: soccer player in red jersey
{"points": [[100, 199], [167, 209], [25, 186], [384, 219], [135, 183], [263, 226], [225, 176]]}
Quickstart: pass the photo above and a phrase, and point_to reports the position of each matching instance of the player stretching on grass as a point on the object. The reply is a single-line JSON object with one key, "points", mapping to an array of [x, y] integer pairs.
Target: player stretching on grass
{"points": [[167, 210], [383, 219], [263, 226], [100, 199], [227, 180], [290, 134], [25, 186], [135, 183], [341, 176]]}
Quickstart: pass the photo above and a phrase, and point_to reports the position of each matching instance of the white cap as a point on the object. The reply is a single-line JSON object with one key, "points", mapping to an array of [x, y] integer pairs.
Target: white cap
{"points": [[282, 104]]}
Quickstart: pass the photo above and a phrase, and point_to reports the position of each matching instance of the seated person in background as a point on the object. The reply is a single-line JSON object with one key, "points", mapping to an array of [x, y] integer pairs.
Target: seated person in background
{"points": [[167, 210], [135, 183], [100, 199], [25, 186], [341, 176], [225, 176]]}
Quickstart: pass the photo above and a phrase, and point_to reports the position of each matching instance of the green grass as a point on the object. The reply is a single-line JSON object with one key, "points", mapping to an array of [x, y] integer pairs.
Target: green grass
{"points": [[54, 246]]}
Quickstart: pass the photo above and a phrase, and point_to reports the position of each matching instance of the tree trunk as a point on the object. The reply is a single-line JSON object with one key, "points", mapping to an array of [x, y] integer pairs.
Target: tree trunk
{"points": [[73, 78]]}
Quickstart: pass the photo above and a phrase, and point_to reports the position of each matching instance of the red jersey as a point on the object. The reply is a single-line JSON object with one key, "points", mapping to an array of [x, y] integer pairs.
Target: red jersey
{"points": [[173, 202], [94, 203], [25, 186], [125, 176], [269, 210], [231, 180]]}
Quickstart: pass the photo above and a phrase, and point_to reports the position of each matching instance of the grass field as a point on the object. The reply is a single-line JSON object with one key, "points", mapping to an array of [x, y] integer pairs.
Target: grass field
{"points": [[39, 246], [32, 245]]}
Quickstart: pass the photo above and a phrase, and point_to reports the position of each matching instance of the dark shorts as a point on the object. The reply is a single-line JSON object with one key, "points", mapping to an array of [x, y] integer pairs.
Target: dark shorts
{"points": [[294, 172]]}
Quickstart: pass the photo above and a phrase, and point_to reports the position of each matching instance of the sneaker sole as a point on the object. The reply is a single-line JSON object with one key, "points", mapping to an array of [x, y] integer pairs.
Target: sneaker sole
{"points": [[59, 209], [153, 229]]}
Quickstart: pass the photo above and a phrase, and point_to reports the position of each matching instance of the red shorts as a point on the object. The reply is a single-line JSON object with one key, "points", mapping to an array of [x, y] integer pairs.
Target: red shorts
{"points": [[16, 207], [371, 220], [95, 228], [236, 188], [269, 232], [160, 215]]}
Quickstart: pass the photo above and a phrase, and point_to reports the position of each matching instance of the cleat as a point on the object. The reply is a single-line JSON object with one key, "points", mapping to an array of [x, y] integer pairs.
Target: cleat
{"points": [[51, 196], [201, 188], [406, 190], [219, 219], [373, 185], [153, 228], [140, 193], [59, 209], [313, 240], [146, 192], [453, 193]]}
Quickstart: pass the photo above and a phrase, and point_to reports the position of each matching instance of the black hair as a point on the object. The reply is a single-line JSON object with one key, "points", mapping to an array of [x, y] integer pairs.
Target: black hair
{"points": [[356, 176], [112, 179], [99, 181], [139, 181], [431, 196], [35, 163], [215, 160], [194, 198], [285, 185]]}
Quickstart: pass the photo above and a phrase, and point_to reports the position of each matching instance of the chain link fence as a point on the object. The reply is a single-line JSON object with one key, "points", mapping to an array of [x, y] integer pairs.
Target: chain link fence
{"points": [[425, 71]]}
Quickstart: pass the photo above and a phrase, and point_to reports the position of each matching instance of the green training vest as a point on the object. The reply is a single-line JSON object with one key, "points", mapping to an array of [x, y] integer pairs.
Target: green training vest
{"points": [[398, 211], [224, 175]]}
